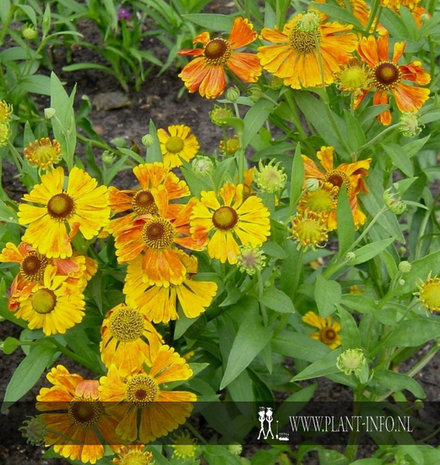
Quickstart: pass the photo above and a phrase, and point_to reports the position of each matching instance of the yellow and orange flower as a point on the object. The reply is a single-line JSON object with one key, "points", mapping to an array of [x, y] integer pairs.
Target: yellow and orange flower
{"points": [[155, 237], [159, 303], [328, 330], [143, 393], [350, 174], [177, 143], [126, 338], [413, 6], [230, 218], [140, 202], [133, 455], [78, 269], [295, 55], [206, 73], [55, 305], [388, 77], [76, 433], [43, 152], [82, 206]]}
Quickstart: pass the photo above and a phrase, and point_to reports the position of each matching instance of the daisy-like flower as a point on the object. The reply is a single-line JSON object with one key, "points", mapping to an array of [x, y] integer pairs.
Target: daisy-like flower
{"points": [[309, 228], [82, 206], [328, 330], [78, 269], [388, 77], [133, 455], [229, 146], [323, 200], [76, 433], [135, 203], [5, 112], [126, 338], [54, 305], [177, 143], [155, 237], [295, 56], [251, 260], [270, 178], [143, 394], [159, 303], [43, 152], [228, 219], [429, 293], [206, 73], [354, 78], [349, 174]]}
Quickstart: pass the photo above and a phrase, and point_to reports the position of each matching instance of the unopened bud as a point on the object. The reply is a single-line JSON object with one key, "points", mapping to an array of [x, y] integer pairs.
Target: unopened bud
{"points": [[28, 32], [351, 361], [308, 22], [147, 140], [49, 112], [255, 92], [9, 345], [409, 124], [405, 267], [394, 202], [119, 142], [219, 115], [108, 157], [232, 93], [235, 449], [202, 165], [312, 184], [349, 256]]}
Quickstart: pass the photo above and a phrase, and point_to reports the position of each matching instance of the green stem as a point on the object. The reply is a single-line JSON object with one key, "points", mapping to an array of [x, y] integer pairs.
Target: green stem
{"points": [[297, 275], [295, 115], [75, 357], [424, 360], [376, 5], [260, 295], [352, 446], [15, 156], [378, 137]]}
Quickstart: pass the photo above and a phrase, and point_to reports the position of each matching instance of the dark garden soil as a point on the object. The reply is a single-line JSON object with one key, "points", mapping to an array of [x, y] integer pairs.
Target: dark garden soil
{"points": [[157, 100]]}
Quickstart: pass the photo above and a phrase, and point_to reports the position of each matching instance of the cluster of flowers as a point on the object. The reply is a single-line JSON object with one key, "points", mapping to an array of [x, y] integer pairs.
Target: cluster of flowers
{"points": [[311, 52]]}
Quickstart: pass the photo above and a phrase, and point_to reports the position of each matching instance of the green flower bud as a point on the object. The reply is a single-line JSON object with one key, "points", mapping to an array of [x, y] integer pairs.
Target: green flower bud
{"points": [[148, 140], [255, 92], [108, 157], [351, 361], [5, 134], [251, 260], [232, 93], [49, 112], [409, 124], [308, 22], [34, 429], [218, 115], [270, 178], [235, 449], [119, 142], [312, 184], [394, 202], [9, 345], [202, 165], [349, 256], [405, 267], [28, 32]]}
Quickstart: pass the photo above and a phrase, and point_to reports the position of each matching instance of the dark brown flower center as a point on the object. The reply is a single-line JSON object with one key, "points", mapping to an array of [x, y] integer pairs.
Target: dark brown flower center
{"points": [[217, 52], [158, 233], [60, 206], [32, 267], [141, 389], [43, 301], [225, 218], [337, 178], [386, 75], [85, 413], [143, 203]]}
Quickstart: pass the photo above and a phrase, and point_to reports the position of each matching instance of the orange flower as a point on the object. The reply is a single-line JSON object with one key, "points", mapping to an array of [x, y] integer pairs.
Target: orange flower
{"points": [[295, 56], [76, 433], [206, 73], [387, 76], [78, 268], [141, 201], [155, 236], [349, 174]]}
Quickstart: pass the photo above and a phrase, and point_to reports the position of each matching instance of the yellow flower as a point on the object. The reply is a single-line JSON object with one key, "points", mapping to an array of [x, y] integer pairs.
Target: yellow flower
{"points": [[328, 330], [295, 56], [429, 293], [76, 433], [177, 143], [126, 339], [82, 206], [160, 411], [5, 134], [159, 303], [54, 305], [323, 200], [229, 146], [133, 455], [309, 228], [184, 446], [43, 152], [5, 112], [247, 220]]}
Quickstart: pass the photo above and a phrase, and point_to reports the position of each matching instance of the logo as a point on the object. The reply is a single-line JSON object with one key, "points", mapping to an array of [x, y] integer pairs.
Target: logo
{"points": [[265, 417]]}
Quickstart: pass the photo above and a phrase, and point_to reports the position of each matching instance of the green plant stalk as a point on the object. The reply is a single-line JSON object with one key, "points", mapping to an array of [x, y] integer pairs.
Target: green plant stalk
{"points": [[423, 227], [295, 115], [15, 156], [260, 295], [378, 137], [299, 267], [376, 6], [352, 446], [6, 24]]}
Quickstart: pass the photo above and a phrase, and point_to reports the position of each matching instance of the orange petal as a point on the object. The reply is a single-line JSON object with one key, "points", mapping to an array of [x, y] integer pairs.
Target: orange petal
{"points": [[367, 49], [242, 33], [381, 98], [382, 47], [193, 73], [245, 65], [410, 98], [274, 35], [214, 82], [399, 48], [415, 72]]}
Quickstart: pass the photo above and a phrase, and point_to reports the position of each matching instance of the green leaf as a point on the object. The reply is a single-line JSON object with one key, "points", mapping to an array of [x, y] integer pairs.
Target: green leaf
{"points": [[323, 367], [367, 252], [153, 152], [298, 345], [277, 300], [296, 179], [327, 295], [345, 223], [28, 372], [213, 22], [371, 461], [250, 340], [412, 333], [400, 158], [337, 13], [420, 270], [350, 334], [35, 84], [254, 120], [355, 134], [398, 382]]}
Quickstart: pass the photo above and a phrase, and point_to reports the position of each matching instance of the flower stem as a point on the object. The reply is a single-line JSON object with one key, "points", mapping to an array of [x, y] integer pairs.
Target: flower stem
{"points": [[378, 137], [373, 13]]}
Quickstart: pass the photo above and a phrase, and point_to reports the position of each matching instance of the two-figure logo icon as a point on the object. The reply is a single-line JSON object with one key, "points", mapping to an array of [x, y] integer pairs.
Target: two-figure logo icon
{"points": [[265, 417]]}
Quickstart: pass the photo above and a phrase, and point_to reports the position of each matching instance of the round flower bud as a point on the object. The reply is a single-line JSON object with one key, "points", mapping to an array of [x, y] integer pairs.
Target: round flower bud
{"points": [[202, 165], [251, 260], [5, 134], [255, 92], [108, 157], [219, 114], [28, 32], [235, 449], [394, 202], [119, 142], [49, 112], [349, 256], [405, 267], [9, 345], [34, 430], [351, 361], [308, 22], [229, 146], [409, 124], [147, 140], [401, 282], [270, 178], [232, 93]]}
